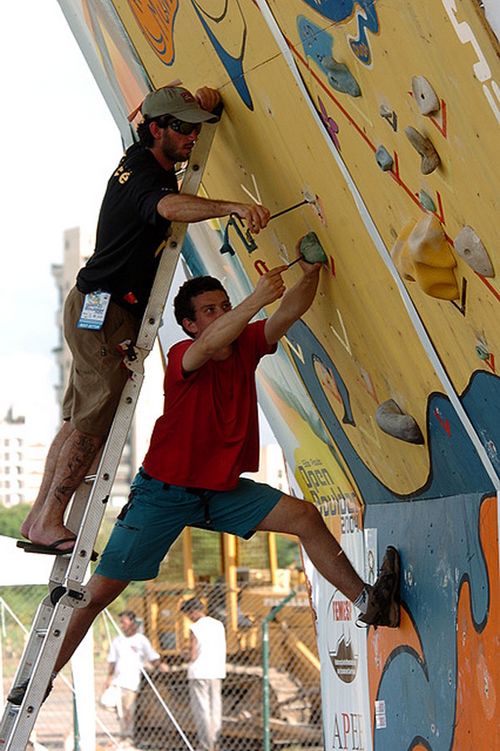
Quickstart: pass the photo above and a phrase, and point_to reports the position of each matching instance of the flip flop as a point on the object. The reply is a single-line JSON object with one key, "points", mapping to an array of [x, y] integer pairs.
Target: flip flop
{"points": [[53, 549]]}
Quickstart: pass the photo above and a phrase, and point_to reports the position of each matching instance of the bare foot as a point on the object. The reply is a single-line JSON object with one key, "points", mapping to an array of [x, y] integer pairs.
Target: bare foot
{"points": [[26, 526], [49, 535]]}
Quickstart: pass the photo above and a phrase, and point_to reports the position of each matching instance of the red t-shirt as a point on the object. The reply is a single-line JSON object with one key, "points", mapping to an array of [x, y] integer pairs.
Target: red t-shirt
{"points": [[209, 433]]}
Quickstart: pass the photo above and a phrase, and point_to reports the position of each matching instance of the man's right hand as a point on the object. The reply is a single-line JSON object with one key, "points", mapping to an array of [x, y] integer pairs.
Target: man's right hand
{"points": [[255, 215], [270, 286]]}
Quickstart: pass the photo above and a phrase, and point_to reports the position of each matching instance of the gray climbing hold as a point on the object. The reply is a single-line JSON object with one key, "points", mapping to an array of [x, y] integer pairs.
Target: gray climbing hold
{"points": [[426, 201], [384, 159], [424, 95], [422, 144], [311, 249], [470, 248], [389, 115], [393, 421], [340, 77]]}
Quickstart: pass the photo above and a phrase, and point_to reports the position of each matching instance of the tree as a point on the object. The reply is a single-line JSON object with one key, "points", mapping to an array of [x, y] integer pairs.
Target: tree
{"points": [[12, 518]]}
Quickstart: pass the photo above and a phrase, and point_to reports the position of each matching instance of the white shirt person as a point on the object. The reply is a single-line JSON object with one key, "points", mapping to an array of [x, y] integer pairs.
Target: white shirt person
{"points": [[206, 670]]}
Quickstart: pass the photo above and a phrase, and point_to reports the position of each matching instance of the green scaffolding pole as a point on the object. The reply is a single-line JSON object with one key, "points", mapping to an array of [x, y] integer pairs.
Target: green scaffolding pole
{"points": [[76, 727], [266, 734]]}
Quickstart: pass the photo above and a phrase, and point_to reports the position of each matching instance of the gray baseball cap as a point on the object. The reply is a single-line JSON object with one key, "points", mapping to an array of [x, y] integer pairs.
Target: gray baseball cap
{"points": [[176, 101]]}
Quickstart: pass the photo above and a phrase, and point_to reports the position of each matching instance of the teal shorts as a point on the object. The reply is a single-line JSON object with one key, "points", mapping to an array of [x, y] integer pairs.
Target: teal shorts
{"points": [[156, 514]]}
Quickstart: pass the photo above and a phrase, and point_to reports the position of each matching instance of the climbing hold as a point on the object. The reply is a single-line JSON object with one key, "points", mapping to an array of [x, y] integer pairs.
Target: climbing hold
{"points": [[422, 254], [311, 249], [392, 420], [318, 46], [340, 77], [470, 248], [384, 159], [430, 157], [433, 259], [424, 95], [482, 350], [389, 115], [426, 201], [400, 255]]}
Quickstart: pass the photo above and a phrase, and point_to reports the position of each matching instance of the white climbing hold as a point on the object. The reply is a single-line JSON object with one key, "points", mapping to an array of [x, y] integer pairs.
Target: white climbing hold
{"points": [[469, 247], [393, 421], [424, 95]]}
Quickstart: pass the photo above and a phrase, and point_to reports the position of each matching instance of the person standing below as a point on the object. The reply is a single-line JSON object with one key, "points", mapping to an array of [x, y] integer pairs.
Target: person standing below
{"points": [[128, 654], [140, 203], [207, 669]]}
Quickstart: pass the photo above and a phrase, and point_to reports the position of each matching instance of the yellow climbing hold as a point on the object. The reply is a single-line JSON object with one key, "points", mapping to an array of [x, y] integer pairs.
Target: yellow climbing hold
{"points": [[401, 256], [422, 254]]}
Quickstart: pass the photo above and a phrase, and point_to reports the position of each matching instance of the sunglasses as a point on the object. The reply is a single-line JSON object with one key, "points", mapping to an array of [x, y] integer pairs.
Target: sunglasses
{"points": [[185, 129]]}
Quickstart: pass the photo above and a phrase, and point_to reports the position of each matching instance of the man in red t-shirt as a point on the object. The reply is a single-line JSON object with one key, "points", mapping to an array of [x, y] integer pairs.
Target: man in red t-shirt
{"points": [[206, 437]]}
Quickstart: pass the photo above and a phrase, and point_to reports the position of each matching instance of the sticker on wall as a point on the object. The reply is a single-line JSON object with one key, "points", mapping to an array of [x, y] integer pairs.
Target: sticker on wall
{"points": [[380, 717]]}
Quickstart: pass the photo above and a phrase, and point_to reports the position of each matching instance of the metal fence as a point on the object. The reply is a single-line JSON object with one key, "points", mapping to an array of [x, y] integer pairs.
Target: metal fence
{"points": [[270, 697]]}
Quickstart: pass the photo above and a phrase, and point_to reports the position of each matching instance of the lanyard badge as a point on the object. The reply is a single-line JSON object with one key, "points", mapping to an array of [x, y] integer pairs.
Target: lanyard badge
{"points": [[94, 310]]}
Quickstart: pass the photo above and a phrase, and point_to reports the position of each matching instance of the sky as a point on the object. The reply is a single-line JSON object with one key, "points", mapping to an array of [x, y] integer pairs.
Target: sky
{"points": [[60, 145]]}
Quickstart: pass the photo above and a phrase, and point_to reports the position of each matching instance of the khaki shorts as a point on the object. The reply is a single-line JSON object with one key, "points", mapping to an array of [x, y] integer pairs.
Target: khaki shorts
{"points": [[97, 374]]}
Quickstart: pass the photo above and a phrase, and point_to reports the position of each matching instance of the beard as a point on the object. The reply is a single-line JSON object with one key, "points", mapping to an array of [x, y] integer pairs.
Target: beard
{"points": [[174, 153]]}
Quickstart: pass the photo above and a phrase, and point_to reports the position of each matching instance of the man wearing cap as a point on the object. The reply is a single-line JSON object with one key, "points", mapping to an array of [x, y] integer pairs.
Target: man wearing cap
{"points": [[106, 306]]}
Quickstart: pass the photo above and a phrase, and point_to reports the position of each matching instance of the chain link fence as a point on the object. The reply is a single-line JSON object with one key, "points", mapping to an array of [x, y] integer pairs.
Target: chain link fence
{"points": [[271, 695]]}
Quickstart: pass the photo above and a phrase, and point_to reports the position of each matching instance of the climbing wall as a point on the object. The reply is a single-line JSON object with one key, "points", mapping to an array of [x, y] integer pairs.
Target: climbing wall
{"points": [[375, 125]]}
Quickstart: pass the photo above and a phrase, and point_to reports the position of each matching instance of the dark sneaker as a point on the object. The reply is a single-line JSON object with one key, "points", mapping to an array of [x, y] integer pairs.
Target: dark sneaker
{"points": [[16, 694], [383, 597]]}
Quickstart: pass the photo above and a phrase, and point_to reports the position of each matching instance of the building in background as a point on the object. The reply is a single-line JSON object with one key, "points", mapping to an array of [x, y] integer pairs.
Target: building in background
{"points": [[22, 458], [77, 248]]}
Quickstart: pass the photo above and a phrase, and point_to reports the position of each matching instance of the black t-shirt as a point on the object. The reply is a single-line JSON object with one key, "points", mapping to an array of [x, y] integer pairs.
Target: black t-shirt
{"points": [[130, 232]]}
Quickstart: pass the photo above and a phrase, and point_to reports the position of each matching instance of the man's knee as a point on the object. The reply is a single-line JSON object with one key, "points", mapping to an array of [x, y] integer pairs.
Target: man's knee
{"points": [[304, 517], [88, 440], [103, 591]]}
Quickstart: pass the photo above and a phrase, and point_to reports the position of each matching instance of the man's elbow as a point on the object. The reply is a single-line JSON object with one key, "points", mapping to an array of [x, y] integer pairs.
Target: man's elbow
{"points": [[207, 348], [196, 356], [166, 206]]}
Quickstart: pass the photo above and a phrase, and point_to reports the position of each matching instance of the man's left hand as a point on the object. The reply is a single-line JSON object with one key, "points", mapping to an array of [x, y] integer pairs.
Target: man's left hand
{"points": [[309, 269], [207, 98]]}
